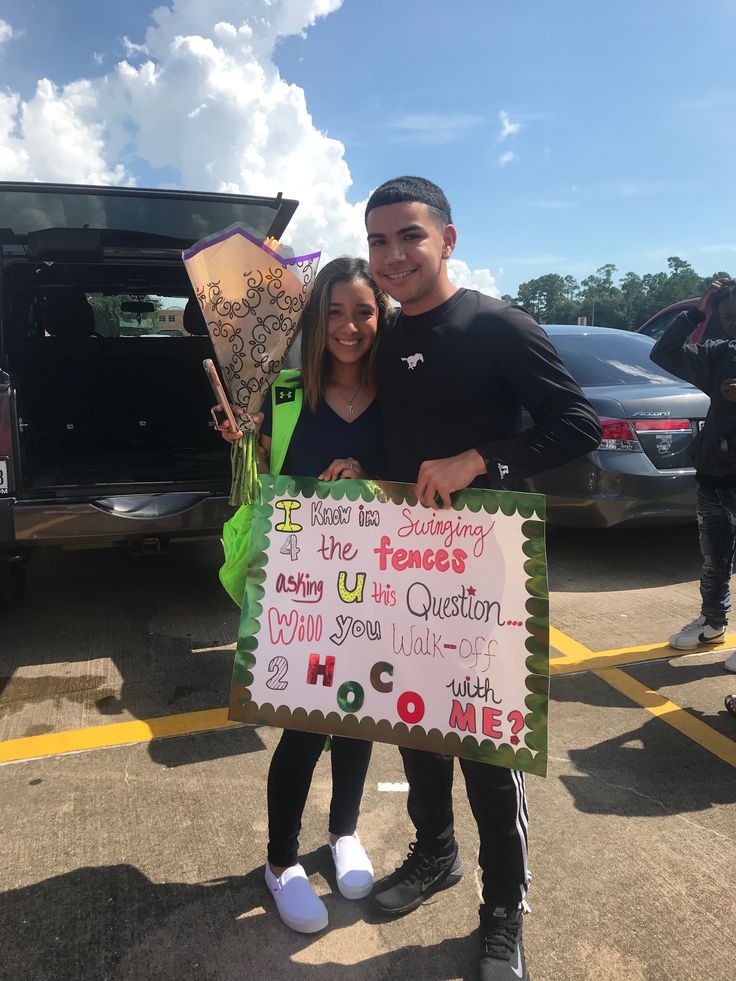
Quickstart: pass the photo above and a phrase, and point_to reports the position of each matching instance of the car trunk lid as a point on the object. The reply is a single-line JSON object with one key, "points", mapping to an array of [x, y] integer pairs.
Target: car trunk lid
{"points": [[35, 216], [665, 418]]}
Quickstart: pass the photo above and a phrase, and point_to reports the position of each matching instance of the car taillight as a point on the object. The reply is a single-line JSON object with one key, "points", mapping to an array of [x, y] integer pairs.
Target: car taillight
{"points": [[618, 435], [662, 426]]}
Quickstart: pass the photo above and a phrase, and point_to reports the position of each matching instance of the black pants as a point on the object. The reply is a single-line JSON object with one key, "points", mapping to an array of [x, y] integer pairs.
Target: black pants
{"points": [[498, 802], [289, 779]]}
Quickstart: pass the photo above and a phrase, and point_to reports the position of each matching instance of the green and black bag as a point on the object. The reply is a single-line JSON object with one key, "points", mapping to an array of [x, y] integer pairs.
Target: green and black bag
{"points": [[286, 406]]}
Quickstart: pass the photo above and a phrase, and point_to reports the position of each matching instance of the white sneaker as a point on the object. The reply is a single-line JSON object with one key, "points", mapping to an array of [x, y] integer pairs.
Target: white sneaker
{"points": [[352, 866], [730, 663], [298, 904], [696, 634]]}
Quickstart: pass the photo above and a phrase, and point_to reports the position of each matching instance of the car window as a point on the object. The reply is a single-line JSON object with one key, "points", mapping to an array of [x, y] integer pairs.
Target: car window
{"points": [[660, 324], [138, 220], [610, 359], [112, 320]]}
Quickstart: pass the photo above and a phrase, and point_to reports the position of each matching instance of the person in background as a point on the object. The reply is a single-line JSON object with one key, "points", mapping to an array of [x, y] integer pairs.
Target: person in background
{"points": [[711, 367]]}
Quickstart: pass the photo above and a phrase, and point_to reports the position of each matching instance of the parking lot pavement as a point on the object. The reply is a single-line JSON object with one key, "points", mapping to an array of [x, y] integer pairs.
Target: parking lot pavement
{"points": [[144, 860]]}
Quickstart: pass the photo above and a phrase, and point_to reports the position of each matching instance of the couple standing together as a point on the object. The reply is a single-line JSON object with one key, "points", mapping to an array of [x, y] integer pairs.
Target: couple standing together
{"points": [[431, 396]]}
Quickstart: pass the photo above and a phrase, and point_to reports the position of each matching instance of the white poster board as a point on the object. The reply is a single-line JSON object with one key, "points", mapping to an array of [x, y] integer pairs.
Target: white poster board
{"points": [[369, 615]]}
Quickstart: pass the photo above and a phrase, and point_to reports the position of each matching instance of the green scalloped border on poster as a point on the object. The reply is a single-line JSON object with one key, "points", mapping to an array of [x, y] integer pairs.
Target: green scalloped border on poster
{"points": [[532, 757]]}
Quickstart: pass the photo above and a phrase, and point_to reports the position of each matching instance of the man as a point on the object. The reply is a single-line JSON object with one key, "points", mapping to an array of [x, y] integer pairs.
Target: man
{"points": [[454, 372], [711, 367]]}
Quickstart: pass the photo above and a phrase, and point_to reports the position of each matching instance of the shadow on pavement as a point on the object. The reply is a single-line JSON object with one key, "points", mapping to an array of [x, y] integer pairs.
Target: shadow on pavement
{"points": [[647, 771], [114, 923], [136, 636], [593, 560], [205, 746], [659, 676]]}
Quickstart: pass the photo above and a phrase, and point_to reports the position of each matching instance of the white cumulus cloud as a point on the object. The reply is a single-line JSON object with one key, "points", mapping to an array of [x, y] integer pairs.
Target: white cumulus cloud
{"points": [[507, 127], [201, 93], [462, 275], [508, 157], [131, 49], [6, 31]]}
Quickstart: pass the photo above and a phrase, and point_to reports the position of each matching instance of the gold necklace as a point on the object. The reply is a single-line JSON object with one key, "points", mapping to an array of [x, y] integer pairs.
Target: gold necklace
{"points": [[349, 402]]}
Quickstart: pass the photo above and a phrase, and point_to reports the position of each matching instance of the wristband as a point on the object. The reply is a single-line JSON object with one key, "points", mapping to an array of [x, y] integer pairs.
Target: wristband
{"points": [[695, 316]]}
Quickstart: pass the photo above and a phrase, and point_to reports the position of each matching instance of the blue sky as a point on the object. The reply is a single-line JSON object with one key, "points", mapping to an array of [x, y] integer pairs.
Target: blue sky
{"points": [[566, 135]]}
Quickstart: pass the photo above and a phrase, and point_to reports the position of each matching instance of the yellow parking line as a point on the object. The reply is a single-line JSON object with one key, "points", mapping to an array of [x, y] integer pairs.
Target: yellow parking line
{"points": [[114, 734], [729, 641], [672, 714], [577, 657], [574, 654]]}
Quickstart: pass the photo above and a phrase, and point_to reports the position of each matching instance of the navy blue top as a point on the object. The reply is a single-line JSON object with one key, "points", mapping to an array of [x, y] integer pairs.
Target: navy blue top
{"points": [[322, 436]]}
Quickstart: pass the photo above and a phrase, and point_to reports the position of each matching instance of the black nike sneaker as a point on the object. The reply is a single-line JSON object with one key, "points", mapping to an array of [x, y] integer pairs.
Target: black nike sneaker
{"points": [[415, 880], [501, 945]]}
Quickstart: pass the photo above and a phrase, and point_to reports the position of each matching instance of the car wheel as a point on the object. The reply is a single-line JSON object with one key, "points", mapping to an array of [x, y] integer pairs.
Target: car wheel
{"points": [[12, 584]]}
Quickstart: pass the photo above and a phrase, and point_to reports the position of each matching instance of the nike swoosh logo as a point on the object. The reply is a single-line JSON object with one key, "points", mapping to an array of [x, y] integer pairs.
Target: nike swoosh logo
{"points": [[517, 967]]}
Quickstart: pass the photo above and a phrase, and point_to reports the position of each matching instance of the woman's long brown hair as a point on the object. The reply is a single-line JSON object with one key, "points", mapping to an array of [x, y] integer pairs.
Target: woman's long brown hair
{"points": [[315, 316]]}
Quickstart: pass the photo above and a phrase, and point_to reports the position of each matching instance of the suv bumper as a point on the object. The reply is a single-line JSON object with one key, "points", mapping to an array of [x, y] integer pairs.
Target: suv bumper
{"points": [[120, 520]]}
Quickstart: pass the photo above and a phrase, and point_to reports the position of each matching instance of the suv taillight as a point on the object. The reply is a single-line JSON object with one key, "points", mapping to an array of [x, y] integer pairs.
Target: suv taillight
{"points": [[618, 435]]}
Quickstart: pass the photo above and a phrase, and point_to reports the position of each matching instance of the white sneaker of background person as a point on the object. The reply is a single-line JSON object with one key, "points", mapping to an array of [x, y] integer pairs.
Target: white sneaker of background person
{"points": [[352, 866], [697, 633], [730, 663], [298, 904]]}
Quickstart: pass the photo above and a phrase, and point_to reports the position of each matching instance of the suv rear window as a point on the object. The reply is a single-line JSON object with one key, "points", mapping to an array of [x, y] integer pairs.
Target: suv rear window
{"points": [[112, 319], [164, 219]]}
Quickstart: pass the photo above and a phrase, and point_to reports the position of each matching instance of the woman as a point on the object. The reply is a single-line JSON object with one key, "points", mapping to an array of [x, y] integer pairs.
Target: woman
{"points": [[338, 427]]}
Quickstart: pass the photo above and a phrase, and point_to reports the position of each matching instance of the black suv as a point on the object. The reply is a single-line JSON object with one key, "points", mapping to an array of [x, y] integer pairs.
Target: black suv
{"points": [[104, 406]]}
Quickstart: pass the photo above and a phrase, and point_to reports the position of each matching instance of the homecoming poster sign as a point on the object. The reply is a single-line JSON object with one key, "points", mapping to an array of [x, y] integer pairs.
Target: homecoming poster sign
{"points": [[368, 615]]}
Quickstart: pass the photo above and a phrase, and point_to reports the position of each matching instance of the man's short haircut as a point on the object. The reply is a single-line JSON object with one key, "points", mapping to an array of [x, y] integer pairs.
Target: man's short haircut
{"points": [[401, 189]]}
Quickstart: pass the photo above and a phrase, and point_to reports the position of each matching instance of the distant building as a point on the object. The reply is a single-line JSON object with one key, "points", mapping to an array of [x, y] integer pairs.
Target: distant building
{"points": [[172, 318]]}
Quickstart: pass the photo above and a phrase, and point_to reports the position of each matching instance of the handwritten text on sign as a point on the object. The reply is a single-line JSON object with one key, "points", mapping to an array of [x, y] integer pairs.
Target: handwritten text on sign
{"points": [[381, 618]]}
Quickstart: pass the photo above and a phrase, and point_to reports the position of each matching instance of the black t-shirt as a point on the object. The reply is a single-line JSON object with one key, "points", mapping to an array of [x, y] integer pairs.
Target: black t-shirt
{"points": [[457, 377], [322, 436]]}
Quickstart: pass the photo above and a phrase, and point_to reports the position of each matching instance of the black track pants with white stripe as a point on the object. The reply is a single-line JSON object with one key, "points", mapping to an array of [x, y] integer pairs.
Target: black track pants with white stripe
{"points": [[498, 802]]}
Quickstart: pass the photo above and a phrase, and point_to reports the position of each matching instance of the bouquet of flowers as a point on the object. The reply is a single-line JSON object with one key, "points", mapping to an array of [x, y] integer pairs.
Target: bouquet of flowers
{"points": [[251, 295]]}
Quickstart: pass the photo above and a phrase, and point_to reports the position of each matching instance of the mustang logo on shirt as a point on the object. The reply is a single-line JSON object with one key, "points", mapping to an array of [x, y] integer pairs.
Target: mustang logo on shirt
{"points": [[413, 360]]}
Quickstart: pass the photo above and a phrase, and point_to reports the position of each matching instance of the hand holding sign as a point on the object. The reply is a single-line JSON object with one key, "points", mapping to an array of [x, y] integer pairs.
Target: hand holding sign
{"points": [[397, 623]]}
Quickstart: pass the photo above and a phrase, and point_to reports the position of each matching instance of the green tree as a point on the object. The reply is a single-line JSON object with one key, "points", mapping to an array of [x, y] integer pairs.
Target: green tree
{"points": [[629, 303], [602, 301], [634, 296], [551, 299], [683, 281], [110, 319]]}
